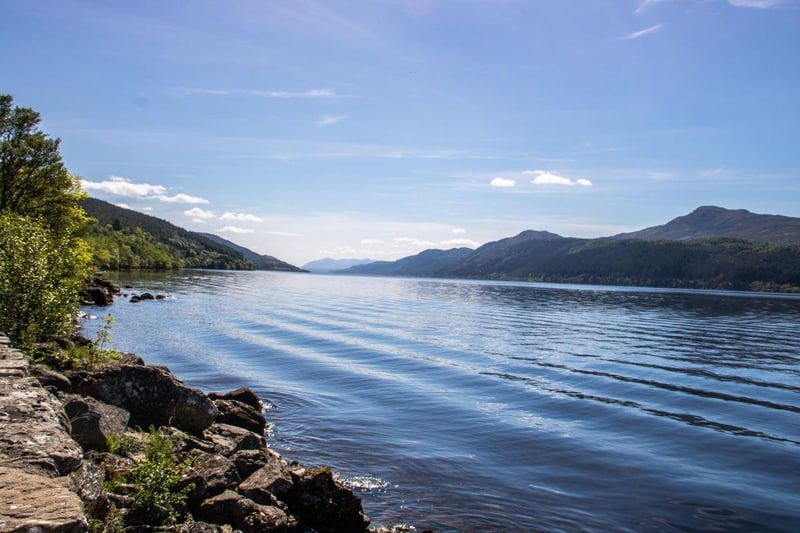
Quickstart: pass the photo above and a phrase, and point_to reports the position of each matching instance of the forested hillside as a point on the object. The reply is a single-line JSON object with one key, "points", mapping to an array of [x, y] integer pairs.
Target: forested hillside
{"points": [[123, 238]]}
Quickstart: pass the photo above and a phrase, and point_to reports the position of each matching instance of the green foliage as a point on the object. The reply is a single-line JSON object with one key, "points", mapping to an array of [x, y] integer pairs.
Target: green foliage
{"points": [[40, 275], [33, 179], [158, 475], [124, 239], [122, 445]]}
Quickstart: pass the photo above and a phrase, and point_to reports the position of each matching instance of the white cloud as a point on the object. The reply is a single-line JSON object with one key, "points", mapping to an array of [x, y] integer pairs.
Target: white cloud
{"points": [[234, 229], [411, 241], [123, 206], [124, 187], [283, 233], [542, 177], [330, 120], [148, 209], [759, 4], [502, 182], [198, 213], [459, 243], [119, 186], [199, 221], [181, 199], [240, 217], [371, 241], [642, 33], [458, 230], [261, 93]]}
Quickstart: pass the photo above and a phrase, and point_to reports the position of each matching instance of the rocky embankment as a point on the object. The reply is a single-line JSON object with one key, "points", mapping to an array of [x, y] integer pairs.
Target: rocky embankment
{"points": [[70, 443]]}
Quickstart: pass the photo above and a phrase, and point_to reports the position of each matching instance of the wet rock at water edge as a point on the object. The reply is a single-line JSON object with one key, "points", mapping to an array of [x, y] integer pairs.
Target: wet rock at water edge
{"points": [[325, 504]]}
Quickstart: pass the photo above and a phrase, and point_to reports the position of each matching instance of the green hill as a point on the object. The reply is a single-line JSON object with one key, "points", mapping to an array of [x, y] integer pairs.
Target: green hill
{"points": [[123, 238], [259, 261]]}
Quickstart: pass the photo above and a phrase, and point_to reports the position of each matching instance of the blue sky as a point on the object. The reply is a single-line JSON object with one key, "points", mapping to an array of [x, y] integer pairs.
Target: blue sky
{"points": [[380, 128]]}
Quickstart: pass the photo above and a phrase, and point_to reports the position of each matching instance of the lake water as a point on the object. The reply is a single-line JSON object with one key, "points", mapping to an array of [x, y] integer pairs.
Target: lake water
{"points": [[484, 406]]}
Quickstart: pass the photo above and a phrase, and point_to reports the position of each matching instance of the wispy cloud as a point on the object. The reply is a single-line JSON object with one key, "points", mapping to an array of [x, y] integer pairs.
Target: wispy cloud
{"points": [[330, 120], [759, 4], [371, 241], [502, 182], [240, 217], [260, 93], [542, 177], [458, 230], [641, 33], [283, 233], [235, 229]]}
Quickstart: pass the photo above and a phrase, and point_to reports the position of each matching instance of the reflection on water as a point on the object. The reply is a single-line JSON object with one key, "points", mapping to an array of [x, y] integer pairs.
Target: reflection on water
{"points": [[477, 406]]}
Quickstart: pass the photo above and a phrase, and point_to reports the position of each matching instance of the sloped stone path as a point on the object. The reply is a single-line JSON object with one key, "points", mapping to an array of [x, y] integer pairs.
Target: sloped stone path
{"points": [[36, 454]]}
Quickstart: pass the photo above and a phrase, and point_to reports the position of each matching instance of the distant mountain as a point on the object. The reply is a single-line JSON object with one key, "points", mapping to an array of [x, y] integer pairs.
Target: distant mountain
{"points": [[423, 264], [330, 265], [259, 261], [708, 262], [709, 221]]}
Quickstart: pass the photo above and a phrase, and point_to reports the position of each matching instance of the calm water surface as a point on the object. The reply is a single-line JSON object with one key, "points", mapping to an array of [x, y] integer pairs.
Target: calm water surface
{"points": [[480, 406]]}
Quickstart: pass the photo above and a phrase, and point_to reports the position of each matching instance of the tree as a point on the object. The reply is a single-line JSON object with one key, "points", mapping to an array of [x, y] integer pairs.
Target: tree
{"points": [[40, 276], [33, 179], [43, 259]]}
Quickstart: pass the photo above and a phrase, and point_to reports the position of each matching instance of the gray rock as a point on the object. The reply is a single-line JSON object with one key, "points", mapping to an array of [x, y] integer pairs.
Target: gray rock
{"points": [[236, 413], [325, 504], [248, 461], [228, 439], [220, 509], [217, 472], [51, 380], [242, 394], [254, 518], [272, 481], [153, 396], [93, 422], [87, 483], [30, 502], [34, 431]]}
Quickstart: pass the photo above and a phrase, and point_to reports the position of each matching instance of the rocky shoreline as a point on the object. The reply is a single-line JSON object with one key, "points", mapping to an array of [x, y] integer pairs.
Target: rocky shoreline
{"points": [[77, 454]]}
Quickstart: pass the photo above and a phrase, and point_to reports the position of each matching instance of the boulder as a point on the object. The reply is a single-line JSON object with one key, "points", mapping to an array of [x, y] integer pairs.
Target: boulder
{"points": [[248, 461], [325, 504], [217, 473], [30, 502], [236, 413], [54, 382], [107, 285], [93, 422], [146, 296], [220, 509], [251, 517], [152, 395], [270, 482], [242, 394], [87, 483], [95, 295], [228, 439]]}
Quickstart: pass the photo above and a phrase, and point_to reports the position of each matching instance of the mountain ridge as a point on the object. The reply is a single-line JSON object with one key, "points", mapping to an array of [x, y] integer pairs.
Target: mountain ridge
{"points": [[712, 260]]}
